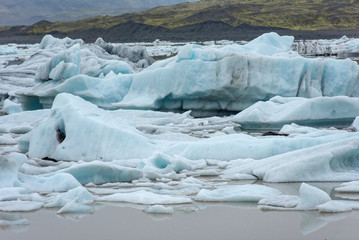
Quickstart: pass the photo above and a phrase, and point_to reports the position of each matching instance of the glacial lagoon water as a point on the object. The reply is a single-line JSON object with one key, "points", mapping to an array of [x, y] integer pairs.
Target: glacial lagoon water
{"points": [[192, 221]]}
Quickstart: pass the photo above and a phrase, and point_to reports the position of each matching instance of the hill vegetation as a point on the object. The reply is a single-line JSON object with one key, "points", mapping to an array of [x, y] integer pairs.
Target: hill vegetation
{"points": [[296, 15], [206, 20]]}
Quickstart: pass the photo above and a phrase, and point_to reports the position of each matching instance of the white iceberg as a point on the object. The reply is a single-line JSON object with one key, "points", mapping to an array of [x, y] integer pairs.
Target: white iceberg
{"points": [[73, 133], [9, 169], [212, 79], [79, 193], [334, 207], [310, 198], [98, 172], [241, 193], [159, 209], [144, 197], [320, 111], [73, 206], [348, 187], [333, 161], [20, 206]]}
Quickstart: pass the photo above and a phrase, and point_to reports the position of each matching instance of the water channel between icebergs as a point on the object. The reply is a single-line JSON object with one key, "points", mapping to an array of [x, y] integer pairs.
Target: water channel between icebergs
{"points": [[198, 220]]}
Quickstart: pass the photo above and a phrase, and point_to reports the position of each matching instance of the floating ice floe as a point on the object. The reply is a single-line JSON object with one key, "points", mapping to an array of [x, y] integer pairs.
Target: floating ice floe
{"points": [[10, 107], [349, 187], [159, 209], [241, 193], [51, 42], [343, 48], [9, 50], [321, 111], [309, 199], [136, 54], [20, 206], [333, 161], [144, 197], [78, 130], [98, 172]]}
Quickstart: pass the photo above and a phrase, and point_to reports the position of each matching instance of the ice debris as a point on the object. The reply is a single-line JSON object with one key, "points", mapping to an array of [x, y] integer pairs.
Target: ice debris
{"points": [[309, 199], [241, 193]]}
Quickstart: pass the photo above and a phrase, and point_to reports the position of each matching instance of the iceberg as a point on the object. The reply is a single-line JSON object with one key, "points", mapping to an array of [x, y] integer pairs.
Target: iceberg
{"points": [[241, 193], [333, 161], [75, 61], [72, 133], [51, 42], [337, 111], [98, 172], [203, 78], [20, 206], [73, 206], [79, 193], [78, 130], [349, 187], [9, 50], [10, 166], [334, 207], [136, 54], [144, 197], [159, 209], [84, 151], [310, 198]]}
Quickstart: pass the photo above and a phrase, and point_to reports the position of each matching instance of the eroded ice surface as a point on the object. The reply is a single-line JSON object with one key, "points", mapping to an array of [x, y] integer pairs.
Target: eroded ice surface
{"points": [[198, 78], [77, 155]]}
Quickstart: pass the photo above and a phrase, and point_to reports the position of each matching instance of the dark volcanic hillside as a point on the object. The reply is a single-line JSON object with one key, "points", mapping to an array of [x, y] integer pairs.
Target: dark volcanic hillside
{"points": [[208, 20]]}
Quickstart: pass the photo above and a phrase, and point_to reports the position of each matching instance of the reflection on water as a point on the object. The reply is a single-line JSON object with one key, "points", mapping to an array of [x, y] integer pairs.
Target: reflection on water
{"points": [[197, 221]]}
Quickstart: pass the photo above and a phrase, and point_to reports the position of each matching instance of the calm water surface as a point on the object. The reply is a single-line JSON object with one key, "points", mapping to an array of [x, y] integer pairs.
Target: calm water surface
{"points": [[210, 221]]}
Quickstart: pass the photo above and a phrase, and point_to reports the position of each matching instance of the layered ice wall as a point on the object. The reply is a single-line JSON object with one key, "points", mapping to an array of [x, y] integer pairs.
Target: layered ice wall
{"points": [[208, 79], [78, 130]]}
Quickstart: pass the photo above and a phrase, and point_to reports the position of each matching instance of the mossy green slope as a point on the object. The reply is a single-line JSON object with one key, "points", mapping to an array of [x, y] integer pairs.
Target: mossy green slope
{"points": [[296, 15]]}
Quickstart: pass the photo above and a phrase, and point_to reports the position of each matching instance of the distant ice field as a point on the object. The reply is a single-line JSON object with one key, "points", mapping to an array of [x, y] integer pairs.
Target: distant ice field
{"points": [[162, 129]]}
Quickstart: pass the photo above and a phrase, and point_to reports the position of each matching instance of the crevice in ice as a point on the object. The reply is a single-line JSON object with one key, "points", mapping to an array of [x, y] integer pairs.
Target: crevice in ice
{"points": [[60, 135]]}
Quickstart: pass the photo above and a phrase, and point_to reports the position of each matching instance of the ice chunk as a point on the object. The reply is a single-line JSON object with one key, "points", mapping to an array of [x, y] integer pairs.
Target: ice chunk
{"points": [[159, 209], [135, 54], [162, 161], [144, 197], [267, 44], [284, 201], [55, 182], [49, 41], [349, 187], [355, 124], [9, 166], [64, 65], [210, 79], [9, 50], [321, 111], [99, 173], [309, 199], [334, 161], [73, 206], [11, 107], [72, 133], [20, 206], [79, 193], [241, 193], [18, 193], [334, 207]]}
